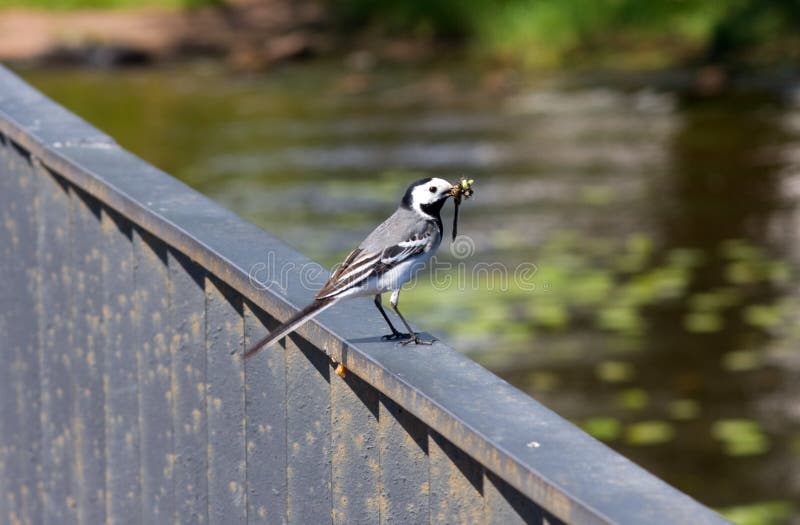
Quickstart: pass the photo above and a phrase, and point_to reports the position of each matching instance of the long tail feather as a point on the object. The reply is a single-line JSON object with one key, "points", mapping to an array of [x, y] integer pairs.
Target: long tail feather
{"points": [[291, 325]]}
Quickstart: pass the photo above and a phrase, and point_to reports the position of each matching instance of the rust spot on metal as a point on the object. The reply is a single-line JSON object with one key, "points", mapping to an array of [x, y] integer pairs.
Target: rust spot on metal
{"points": [[11, 226], [197, 325], [341, 371], [169, 469], [196, 419]]}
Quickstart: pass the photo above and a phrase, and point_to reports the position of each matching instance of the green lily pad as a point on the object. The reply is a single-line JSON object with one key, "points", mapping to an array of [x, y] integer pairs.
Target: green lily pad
{"points": [[741, 360], [740, 437], [614, 371], [762, 316], [761, 513], [602, 428], [620, 318], [683, 409], [633, 399], [543, 381], [703, 322], [779, 272], [649, 433]]}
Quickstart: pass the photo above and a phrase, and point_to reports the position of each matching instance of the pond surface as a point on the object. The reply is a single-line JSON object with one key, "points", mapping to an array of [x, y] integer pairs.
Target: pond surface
{"points": [[636, 245]]}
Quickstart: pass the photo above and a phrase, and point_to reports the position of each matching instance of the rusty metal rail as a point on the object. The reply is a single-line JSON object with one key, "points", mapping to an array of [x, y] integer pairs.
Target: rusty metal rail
{"points": [[124, 305]]}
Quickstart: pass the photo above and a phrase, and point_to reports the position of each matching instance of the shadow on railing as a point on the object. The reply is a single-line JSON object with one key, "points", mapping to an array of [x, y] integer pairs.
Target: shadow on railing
{"points": [[124, 310]]}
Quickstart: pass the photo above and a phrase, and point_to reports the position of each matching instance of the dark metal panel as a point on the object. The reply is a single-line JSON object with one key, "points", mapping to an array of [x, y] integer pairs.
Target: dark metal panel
{"points": [[456, 483], [59, 495], [121, 373], [403, 447], [356, 459], [308, 430], [265, 390], [151, 312], [87, 356], [505, 505], [227, 497], [19, 380], [188, 326]]}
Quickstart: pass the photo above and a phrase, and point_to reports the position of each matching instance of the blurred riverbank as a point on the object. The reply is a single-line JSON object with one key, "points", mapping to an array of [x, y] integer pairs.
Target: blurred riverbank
{"points": [[727, 36], [250, 34]]}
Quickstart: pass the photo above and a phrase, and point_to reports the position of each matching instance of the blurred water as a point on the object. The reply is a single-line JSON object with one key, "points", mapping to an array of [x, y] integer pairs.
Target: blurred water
{"points": [[663, 226]]}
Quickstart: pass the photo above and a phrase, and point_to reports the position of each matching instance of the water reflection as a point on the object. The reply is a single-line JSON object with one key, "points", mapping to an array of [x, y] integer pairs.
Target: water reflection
{"points": [[724, 183], [662, 225]]}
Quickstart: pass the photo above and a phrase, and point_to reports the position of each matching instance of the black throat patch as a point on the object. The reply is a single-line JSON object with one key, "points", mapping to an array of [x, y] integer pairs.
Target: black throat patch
{"points": [[434, 210]]}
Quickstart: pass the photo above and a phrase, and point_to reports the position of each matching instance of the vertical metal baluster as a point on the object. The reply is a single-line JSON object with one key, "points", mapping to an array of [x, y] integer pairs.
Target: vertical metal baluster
{"points": [[308, 432], [121, 372], [155, 376], [225, 404], [403, 446], [266, 423], [87, 357], [355, 454], [187, 323]]}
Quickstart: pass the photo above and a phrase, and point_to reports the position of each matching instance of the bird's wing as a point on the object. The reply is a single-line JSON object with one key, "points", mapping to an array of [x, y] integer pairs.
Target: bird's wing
{"points": [[356, 267], [394, 255], [361, 264]]}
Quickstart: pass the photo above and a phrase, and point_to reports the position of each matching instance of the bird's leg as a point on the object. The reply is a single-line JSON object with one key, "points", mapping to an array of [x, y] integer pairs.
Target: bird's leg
{"points": [[412, 336], [395, 334]]}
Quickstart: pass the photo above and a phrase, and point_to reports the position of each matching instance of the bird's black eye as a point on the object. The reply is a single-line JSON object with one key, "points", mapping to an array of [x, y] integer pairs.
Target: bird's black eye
{"points": [[432, 189]]}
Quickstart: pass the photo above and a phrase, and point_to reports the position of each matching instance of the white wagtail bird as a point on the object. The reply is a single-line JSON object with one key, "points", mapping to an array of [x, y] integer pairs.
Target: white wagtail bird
{"points": [[388, 258]]}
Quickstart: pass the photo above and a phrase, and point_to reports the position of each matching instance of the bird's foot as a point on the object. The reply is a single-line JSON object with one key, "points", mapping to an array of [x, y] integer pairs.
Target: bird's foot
{"points": [[395, 336], [417, 340]]}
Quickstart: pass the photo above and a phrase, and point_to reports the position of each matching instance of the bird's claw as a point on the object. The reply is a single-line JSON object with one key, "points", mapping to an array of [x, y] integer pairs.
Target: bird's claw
{"points": [[417, 340]]}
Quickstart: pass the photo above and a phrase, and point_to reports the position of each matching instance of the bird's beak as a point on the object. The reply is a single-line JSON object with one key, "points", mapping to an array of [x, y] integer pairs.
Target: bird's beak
{"points": [[447, 192]]}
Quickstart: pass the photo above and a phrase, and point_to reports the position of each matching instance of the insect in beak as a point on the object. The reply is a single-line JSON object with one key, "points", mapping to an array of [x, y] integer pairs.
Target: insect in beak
{"points": [[461, 190]]}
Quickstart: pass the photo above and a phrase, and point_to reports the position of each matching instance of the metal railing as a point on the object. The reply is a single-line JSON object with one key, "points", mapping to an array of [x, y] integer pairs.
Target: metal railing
{"points": [[125, 303]]}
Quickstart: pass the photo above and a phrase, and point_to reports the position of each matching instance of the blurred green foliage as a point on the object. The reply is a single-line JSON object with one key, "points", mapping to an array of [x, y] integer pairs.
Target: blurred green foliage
{"points": [[557, 32], [550, 33]]}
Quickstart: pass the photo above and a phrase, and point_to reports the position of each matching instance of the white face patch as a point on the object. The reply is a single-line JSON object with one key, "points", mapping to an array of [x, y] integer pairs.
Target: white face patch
{"points": [[428, 193]]}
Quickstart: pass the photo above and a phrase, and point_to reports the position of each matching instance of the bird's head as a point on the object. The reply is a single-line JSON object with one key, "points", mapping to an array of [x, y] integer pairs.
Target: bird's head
{"points": [[427, 196]]}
